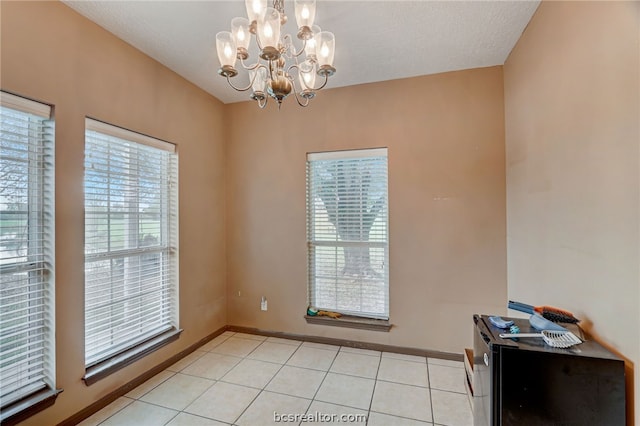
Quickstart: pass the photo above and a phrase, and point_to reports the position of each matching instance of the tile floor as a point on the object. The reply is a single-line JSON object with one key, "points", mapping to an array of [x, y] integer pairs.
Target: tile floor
{"points": [[249, 380]]}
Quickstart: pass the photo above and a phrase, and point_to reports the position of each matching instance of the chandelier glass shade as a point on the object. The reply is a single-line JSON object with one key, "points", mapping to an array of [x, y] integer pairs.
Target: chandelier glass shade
{"points": [[281, 68]]}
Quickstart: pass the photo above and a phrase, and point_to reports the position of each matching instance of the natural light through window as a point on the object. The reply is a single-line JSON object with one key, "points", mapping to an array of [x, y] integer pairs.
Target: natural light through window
{"points": [[27, 353], [131, 265], [347, 228]]}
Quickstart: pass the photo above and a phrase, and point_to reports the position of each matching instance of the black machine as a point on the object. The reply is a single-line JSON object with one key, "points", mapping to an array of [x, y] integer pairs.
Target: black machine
{"points": [[526, 382]]}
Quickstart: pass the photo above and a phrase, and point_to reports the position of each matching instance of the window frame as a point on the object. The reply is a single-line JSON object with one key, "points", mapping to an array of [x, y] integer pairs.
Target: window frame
{"points": [[100, 366], [40, 263], [351, 319]]}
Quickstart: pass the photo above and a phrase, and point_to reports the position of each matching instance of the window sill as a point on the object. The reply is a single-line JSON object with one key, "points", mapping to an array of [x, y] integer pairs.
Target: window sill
{"points": [[118, 362], [350, 322], [28, 406]]}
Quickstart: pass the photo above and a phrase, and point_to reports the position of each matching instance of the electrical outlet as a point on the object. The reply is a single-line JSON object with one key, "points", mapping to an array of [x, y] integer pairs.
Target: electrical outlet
{"points": [[263, 303]]}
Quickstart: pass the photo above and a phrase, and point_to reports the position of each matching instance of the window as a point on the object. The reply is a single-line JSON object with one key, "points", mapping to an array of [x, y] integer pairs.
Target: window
{"points": [[347, 228], [131, 264], [27, 364]]}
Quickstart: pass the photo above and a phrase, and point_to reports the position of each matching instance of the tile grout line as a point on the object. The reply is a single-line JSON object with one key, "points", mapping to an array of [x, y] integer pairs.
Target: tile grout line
{"points": [[219, 380], [259, 391], [402, 359], [173, 373], [403, 384], [450, 391], [373, 392], [267, 384], [188, 375], [414, 386], [355, 375], [326, 373], [178, 411], [433, 417], [348, 375], [171, 419], [132, 401]]}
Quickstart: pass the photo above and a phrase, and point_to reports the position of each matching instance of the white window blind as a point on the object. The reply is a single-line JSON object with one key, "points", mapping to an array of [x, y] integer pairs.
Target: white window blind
{"points": [[26, 248], [347, 228], [131, 197]]}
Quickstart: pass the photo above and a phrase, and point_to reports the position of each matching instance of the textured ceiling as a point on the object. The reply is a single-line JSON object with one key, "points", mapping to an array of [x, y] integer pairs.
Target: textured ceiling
{"points": [[375, 40]]}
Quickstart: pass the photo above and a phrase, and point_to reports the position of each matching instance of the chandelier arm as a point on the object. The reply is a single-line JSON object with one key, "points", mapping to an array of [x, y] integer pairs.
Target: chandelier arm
{"points": [[326, 80], [258, 41], [242, 89], [293, 81], [279, 6], [293, 85], [292, 52], [306, 103], [249, 67], [284, 46], [292, 66], [296, 65], [290, 77]]}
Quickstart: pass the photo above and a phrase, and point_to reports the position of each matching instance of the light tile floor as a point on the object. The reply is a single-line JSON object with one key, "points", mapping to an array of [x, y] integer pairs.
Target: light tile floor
{"points": [[249, 380]]}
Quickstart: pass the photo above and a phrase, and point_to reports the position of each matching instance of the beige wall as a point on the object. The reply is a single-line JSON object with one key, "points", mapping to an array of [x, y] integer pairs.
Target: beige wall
{"points": [[572, 111], [52, 54], [445, 135]]}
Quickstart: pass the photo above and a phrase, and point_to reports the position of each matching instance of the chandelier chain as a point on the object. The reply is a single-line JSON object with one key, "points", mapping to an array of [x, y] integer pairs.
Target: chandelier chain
{"points": [[279, 6]]}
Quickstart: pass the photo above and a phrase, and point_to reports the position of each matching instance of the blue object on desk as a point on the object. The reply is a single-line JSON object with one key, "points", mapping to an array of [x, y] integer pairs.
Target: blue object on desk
{"points": [[500, 323], [522, 307], [540, 323]]}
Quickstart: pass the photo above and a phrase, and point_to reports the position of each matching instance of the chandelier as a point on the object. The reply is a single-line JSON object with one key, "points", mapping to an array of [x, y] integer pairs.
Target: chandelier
{"points": [[280, 62]]}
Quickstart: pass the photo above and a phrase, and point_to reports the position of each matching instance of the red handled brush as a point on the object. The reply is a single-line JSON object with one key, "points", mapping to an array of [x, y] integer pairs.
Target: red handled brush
{"points": [[548, 312]]}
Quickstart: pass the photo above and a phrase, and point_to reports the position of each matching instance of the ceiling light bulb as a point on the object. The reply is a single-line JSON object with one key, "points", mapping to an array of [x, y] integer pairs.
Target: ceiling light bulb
{"points": [[228, 52], [256, 6], [324, 50], [226, 48], [325, 43], [310, 46], [269, 33], [307, 81], [259, 79], [305, 13], [255, 9], [240, 31]]}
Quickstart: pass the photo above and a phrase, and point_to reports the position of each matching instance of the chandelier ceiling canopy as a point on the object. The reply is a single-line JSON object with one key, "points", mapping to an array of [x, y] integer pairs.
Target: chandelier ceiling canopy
{"points": [[281, 68]]}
